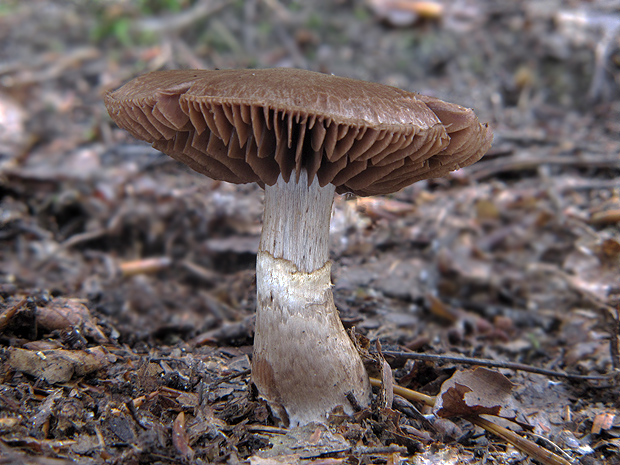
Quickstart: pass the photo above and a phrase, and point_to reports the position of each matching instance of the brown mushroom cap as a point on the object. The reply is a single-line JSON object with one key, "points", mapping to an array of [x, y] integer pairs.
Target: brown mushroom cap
{"points": [[251, 125]]}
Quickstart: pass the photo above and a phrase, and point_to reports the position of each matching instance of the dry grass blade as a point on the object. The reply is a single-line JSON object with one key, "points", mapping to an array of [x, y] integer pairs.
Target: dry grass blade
{"points": [[407, 393]]}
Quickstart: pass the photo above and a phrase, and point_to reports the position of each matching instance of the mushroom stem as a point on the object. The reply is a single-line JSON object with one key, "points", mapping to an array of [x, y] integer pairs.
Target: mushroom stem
{"points": [[304, 362]]}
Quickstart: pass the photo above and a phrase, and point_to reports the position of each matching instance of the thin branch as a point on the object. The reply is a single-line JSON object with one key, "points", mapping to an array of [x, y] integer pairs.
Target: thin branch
{"points": [[613, 345], [485, 169], [232, 376], [80, 238], [182, 20], [524, 445], [492, 363]]}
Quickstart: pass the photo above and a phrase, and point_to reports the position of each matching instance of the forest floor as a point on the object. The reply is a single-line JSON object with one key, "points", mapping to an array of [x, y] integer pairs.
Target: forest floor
{"points": [[127, 287]]}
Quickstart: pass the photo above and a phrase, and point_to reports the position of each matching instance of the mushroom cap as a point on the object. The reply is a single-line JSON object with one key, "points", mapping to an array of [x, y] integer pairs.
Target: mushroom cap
{"points": [[246, 126]]}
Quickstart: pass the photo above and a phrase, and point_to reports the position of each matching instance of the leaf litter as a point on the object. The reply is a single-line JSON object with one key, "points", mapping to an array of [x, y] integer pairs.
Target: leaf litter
{"points": [[126, 282]]}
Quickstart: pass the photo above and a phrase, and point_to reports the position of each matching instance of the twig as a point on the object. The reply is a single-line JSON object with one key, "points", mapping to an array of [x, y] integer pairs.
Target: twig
{"points": [[225, 379], [144, 266], [605, 217], [489, 168], [549, 444], [56, 65], [492, 363], [281, 12], [582, 185], [573, 283], [266, 429], [71, 242], [382, 450], [83, 237], [613, 344], [609, 25], [180, 21], [197, 271], [524, 445], [185, 55]]}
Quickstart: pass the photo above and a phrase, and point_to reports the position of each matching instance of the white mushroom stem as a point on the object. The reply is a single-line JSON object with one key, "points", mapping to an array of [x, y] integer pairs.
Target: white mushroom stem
{"points": [[304, 363]]}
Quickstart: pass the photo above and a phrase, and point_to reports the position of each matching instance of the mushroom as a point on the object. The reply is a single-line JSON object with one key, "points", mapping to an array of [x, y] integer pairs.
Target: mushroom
{"points": [[302, 136]]}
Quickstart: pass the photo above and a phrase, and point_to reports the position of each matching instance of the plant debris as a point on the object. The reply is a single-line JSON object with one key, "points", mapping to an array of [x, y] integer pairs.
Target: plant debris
{"points": [[127, 289]]}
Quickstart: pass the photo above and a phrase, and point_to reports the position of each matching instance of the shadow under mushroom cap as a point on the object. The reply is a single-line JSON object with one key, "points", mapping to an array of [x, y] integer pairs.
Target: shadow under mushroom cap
{"points": [[246, 126]]}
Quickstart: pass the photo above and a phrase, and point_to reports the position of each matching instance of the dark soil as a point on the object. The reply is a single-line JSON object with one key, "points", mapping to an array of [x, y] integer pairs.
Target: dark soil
{"points": [[127, 280]]}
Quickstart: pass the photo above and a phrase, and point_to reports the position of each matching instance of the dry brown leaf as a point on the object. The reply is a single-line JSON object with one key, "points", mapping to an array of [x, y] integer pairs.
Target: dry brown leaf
{"points": [[610, 249], [180, 437], [66, 313], [476, 392], [603, 421], [59, 366], [441, 310], [8, 314]]}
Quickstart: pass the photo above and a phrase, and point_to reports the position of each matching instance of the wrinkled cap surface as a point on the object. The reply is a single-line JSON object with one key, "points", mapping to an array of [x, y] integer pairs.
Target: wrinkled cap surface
{"points": [[246, 126]]}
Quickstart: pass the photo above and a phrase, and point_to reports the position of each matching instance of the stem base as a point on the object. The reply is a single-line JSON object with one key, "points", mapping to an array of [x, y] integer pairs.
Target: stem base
{"points": [[304, 362]]}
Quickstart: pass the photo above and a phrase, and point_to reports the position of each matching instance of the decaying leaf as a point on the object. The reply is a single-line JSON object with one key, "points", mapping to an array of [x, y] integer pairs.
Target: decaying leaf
{"points": [[44, 411], [476, 392], [7, 315], [387, 385], [304, 442], [291, 459], [66, 313], [390, 432], [386, 395], [59, 366], [610, 249], [180, 437], [603, 421]]}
